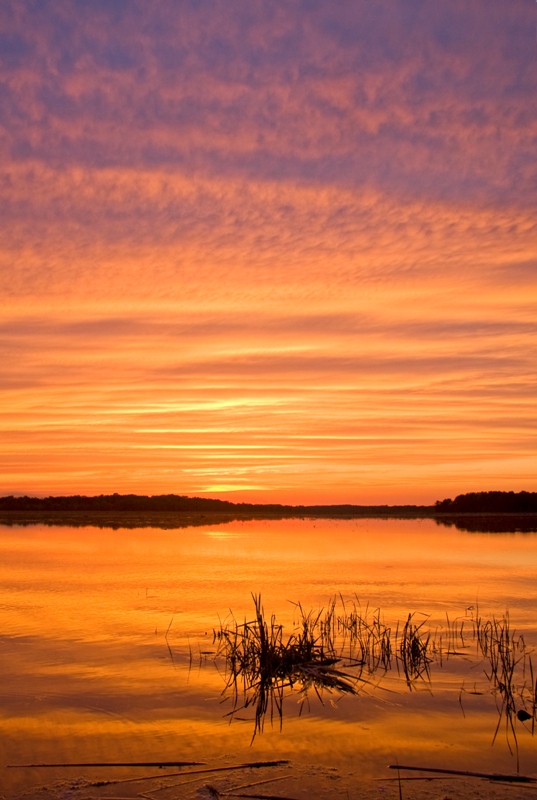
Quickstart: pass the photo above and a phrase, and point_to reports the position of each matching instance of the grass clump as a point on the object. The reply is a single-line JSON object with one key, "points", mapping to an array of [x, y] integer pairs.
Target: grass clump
{"points": [[346, 649], [262, 663], [509, 670]]}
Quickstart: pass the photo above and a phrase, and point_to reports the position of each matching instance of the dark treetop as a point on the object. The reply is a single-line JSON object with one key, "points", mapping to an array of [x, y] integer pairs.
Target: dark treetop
{"points": [[472, 503]]}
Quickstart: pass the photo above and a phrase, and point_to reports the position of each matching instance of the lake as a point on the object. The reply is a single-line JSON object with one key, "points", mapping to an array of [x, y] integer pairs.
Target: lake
{"points": [[108, 652]]}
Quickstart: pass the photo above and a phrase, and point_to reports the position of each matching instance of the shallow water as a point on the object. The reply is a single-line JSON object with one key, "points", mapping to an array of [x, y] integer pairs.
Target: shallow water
{"points": [[103, 635]]}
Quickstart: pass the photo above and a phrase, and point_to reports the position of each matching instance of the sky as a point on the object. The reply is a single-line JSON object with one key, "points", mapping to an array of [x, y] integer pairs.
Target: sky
{"points": [[268, 251]]}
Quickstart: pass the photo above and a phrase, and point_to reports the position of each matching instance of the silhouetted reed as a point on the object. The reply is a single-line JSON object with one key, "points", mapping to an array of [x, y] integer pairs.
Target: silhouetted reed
{"points": [[362, 635], [262, 663], [508, 667], [345, 648], [413, 649]]}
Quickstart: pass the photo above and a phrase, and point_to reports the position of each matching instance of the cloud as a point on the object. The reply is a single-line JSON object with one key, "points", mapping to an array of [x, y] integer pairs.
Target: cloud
{"points": [[304, 228], [411, 98], [257, 397], [151, 237]]}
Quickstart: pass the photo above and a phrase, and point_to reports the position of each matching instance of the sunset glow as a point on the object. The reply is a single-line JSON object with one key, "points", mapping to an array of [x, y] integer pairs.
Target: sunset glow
{"points": [[268, 251]]}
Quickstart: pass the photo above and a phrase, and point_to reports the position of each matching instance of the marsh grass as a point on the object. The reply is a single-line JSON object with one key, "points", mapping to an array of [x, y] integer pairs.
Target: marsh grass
{"points": [[348, 649], [262, 662], [414, 651], [509, 671]]}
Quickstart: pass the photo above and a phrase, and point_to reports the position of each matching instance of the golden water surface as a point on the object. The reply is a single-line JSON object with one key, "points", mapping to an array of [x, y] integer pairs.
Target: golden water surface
{"points": [[106, 643]]}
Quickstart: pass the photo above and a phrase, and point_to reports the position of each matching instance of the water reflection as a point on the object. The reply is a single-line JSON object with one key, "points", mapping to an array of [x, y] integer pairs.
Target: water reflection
{"points": [[470, 523], [491, 523], [86, 673]]}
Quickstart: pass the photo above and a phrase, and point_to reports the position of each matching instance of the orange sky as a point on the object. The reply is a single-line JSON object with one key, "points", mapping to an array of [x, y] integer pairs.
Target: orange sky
{"points": [[268, 251]]}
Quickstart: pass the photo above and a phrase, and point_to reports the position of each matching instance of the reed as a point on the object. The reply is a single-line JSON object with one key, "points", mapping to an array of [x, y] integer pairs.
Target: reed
{"points": [[414, 651], [337, 649], [363, 636], [262, 663], [508, 666], [346, 648]]}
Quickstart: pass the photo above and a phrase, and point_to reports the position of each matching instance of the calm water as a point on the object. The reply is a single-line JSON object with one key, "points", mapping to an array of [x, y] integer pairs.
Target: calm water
{"points": [[89, 675]]}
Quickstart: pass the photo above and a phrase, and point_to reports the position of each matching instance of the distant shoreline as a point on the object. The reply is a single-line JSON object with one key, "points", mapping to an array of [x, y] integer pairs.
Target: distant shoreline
{"points": [[488, 511]]}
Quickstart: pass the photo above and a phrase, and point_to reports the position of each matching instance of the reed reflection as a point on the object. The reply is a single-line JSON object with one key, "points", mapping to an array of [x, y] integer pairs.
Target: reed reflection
{"points": [[347, 650]]}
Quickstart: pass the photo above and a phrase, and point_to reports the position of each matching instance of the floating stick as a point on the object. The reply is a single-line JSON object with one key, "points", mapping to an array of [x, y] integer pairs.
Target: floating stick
{"points": [[250, 765], [257, 783], [491, 776], [159, 764]]}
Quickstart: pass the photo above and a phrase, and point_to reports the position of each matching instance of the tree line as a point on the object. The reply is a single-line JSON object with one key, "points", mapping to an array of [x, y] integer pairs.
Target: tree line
{"points": [[471, 503]]}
